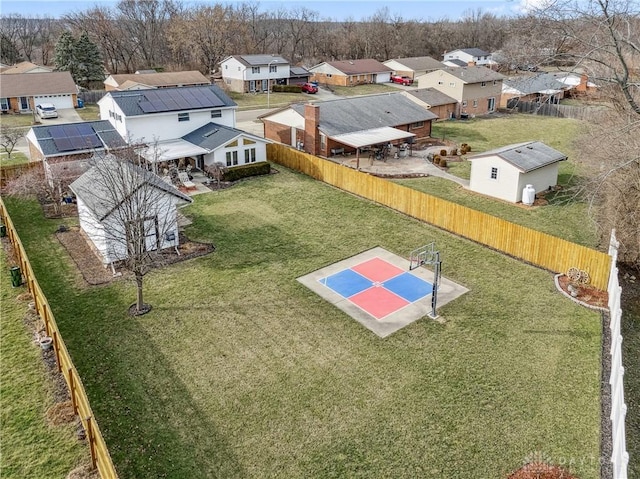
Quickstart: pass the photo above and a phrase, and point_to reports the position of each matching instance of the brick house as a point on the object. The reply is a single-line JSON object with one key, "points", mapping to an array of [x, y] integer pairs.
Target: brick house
{"points": [[443, 106], [350, 124], [21, 92], [350, 72]]}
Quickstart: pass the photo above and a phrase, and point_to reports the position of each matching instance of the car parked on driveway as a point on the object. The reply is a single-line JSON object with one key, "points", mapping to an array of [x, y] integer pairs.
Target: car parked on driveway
{"points": [[309, 88], [403, 80], [46, 110]]}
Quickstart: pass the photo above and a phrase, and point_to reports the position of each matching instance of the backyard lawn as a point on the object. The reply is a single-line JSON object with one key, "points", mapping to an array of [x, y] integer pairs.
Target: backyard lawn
{"points": [[240, 371], [565, 216], [29, 447]]}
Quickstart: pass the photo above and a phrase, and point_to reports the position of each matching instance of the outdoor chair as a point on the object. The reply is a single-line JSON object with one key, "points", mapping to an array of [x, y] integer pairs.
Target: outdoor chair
{"points": [[186, 182]]}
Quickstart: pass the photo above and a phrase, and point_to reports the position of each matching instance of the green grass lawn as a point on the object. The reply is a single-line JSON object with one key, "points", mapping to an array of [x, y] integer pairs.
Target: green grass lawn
{"points": [[631, 361], [368, 89], [29, 447], [90, 112], [16, 120], [240, 371], [17, 158], [249, 101], [565, 216]]}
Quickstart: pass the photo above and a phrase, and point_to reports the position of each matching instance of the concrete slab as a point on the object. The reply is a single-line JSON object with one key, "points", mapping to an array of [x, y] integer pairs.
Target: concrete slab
{"points": [[383, 327]]}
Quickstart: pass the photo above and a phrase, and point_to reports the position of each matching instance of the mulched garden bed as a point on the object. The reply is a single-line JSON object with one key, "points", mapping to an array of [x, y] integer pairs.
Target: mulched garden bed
{"points": [[541, 470], [585, 293]]}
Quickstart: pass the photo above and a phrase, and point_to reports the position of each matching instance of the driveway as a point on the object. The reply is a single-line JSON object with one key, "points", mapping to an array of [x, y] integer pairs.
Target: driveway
{"points": [[66, 115]]}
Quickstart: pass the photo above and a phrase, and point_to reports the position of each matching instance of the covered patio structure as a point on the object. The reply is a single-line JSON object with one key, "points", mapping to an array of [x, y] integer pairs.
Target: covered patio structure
{"points": [[377, 141]]}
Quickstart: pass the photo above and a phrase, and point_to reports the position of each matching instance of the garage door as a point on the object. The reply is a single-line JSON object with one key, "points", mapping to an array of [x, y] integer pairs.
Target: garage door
{"points": [[59, 101]]}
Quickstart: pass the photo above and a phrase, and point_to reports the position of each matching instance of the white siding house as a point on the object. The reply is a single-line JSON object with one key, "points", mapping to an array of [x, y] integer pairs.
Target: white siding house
{"points": [[141, 198], [474, 56], [254, 73], [166, 113], [505, 172]]}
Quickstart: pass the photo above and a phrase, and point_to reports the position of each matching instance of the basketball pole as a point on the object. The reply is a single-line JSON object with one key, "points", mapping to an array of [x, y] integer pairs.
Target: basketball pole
{"points": [[436, 280]]}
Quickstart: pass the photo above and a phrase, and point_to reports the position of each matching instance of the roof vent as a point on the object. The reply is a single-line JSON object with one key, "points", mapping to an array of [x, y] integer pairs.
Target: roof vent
{"points": [[350, 62], [530, 147], [518, 151], [211, 132]]}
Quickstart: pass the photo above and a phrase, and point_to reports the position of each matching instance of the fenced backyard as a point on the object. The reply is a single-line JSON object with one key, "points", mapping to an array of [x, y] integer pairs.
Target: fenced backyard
{"points": [[239, 371], [561, 111]]}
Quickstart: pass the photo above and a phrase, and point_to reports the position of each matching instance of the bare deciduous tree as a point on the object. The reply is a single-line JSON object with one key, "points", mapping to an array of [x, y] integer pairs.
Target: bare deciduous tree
{"points": [[9, 138], [134, 211]]}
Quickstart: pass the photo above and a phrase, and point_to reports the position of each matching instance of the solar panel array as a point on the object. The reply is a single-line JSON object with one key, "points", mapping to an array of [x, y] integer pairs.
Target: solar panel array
{"points": [[74, 137], [156, 101]]}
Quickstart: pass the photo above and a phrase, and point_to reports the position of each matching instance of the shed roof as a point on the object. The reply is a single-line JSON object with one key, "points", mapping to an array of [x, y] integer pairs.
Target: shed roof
{"points": [[526, 156], [348, 115], [31, 84], [93, 190]]}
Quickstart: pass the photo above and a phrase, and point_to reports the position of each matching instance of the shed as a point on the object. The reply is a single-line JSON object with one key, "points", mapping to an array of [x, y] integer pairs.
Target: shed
{"points": [[504, 172], [114, 196]]}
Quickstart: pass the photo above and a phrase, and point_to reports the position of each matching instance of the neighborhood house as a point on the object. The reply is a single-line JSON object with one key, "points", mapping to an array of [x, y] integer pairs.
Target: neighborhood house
{"points": [[257, 73], [21, 92], [350, 72], [144, 79]]}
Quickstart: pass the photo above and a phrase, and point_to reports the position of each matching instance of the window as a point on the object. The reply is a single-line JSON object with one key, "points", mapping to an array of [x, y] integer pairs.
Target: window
{"points": [[329, 75], [475, 103], [440, 82], [323, 141], [464, 103], [183, 116], [216, 113], [273, 69], [255, 69], [226, 67], [233, 144], [417, 124], [483, 84], [494, 173], [4, 104], [452, 84], [250, 155], [232, 158], [247, 141], [495, 82]]}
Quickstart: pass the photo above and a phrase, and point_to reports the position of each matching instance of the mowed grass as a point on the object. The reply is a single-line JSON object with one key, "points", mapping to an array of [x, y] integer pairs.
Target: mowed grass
{"points": [[29, 447], [240, 371], [566, 216]]}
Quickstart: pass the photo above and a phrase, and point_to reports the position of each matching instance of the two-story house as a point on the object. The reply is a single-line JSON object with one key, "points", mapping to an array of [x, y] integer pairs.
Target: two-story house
{"points": [[254, 73], [476, 89], [468, 56]]}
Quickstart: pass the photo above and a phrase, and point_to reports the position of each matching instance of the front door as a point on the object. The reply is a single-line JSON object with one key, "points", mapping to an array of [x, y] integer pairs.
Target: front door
{"points": [[252, 86], [265, 85], [492, 104]]}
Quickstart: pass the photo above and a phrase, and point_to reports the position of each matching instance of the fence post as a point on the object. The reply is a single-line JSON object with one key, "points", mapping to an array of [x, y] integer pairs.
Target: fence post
{"points": [[94, 463], [72, 390], [56, 349]]}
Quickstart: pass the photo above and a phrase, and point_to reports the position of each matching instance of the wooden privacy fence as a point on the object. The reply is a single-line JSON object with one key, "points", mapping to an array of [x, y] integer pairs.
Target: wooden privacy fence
{"points": [[8, 173], [100, 457], [561, 111], [540, 249]]}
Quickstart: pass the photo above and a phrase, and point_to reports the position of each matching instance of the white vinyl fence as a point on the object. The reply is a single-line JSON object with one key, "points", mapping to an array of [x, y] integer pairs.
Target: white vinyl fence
{"points": [[619, 455]]}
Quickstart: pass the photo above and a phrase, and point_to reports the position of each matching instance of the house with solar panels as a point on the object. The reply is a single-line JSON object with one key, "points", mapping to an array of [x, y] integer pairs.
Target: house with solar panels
{"points": [[254, 73], [57, 146]]}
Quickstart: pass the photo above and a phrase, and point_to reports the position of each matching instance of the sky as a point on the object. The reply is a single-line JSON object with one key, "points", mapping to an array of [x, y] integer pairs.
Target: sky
{"points": [[333, 9]]}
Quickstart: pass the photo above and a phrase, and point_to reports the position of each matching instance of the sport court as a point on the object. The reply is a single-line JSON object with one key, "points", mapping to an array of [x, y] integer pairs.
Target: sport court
{"points": [[377, 289]]}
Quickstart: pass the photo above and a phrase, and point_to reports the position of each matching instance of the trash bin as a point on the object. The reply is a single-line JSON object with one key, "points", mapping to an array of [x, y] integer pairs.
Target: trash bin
{"points": [[3, 231], [80, 103], [16, 276]]}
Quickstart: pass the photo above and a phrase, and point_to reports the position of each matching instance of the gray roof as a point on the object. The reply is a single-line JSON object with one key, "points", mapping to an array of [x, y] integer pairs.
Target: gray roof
{"points": [[129, 101], [420, 63], [455, 61], [526, 156], [474, 74], [213, 135], [92, 188], [299, 71], [534, 84], [432, 97], [107, 134], [476, 52], [258, 60], [348, 115]]}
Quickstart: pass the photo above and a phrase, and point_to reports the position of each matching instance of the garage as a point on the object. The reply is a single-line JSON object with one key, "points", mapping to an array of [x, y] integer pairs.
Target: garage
{"points": [[59, 101]]}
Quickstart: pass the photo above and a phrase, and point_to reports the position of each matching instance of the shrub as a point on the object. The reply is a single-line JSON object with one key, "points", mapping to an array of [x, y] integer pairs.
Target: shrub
{"points": [[436, 159], [287, 88], [443, 162], [443, 152], [454, 152], [244, 171]]}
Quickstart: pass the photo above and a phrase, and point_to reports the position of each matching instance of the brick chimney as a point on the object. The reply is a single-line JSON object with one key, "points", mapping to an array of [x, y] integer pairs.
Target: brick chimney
{"points": [[582, 86], [311, 133], [471, 64]]}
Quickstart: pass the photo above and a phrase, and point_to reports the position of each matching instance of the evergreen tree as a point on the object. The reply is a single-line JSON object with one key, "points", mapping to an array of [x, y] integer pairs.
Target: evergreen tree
{"points": [[65, 54], [8, 52], [89, 59]]}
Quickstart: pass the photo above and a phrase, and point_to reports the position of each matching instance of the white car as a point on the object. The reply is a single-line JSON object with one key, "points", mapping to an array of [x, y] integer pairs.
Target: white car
{"points": [[46, 110]]}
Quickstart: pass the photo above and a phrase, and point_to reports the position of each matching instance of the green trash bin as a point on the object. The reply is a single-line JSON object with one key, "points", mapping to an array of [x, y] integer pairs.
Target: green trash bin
{"points": [[16, 276]]}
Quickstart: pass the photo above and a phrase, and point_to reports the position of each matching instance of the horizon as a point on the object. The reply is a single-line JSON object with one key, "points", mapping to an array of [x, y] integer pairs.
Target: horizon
{"points": [[336, 10]]}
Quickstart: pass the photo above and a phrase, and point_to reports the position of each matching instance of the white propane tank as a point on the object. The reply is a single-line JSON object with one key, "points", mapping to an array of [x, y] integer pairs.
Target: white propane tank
{"points": [[528, 195]]}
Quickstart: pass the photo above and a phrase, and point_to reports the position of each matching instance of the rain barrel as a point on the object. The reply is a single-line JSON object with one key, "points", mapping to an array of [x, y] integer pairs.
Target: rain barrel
{"points": [[528, 195]]}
